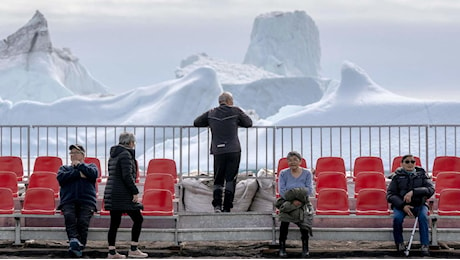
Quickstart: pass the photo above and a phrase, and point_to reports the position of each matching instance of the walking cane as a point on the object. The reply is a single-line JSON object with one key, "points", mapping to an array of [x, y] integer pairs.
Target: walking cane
{"points": [[406, 252]]}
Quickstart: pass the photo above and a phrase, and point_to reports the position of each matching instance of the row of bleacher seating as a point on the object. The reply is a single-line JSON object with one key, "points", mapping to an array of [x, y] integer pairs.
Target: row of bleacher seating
{"points": [[52, 163], [163, 165], [368, 172], [371, 201], [158, 190], [373, 163], [324, 177], [42, 201], [370, 184]]}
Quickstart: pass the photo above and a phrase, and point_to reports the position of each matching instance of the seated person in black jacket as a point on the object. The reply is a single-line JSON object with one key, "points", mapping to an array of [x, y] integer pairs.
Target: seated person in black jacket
{"points": [[408, 191], [78, 197]]}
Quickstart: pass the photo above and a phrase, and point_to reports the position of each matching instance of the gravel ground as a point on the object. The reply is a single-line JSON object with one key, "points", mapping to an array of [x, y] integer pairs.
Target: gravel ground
{"points": [[241, 249]]}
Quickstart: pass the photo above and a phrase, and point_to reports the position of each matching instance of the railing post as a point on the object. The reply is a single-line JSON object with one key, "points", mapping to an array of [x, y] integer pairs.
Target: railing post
{"points": [[427, 166]]}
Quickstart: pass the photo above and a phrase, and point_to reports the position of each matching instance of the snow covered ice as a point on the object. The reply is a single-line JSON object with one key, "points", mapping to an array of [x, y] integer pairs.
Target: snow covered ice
{"points": [[41, 84]]}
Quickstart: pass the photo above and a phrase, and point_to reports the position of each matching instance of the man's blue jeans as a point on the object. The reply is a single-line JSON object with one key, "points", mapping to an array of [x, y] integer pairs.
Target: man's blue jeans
{"points": [[77, 218], [398, 219]]}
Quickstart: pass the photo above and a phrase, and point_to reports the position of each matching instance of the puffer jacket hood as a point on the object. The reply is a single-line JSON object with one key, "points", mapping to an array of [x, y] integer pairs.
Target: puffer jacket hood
{"points": [[117, 149]]}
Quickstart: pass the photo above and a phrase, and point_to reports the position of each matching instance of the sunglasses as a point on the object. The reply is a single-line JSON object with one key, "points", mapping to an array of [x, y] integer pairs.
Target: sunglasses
{"points": [[407, 162]]}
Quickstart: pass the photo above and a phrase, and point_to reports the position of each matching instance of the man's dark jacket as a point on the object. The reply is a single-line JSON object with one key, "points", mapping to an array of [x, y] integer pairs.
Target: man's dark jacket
{"points": [[224, 121], [74, 188], [402, 182]]}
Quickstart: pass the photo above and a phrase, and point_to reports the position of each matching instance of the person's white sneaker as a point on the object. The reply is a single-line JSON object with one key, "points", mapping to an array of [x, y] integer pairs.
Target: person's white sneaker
{"points": [[116, 256], [137, 254]]}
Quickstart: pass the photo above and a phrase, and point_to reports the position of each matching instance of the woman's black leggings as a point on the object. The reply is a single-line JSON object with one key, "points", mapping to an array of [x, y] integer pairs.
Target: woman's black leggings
{"points": [[115, 220]]}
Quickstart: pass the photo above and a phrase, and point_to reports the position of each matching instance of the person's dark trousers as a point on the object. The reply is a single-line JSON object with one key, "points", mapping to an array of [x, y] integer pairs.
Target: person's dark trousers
{"points": [[304, 235], [284, 229], [423, 221], [77, 218], [115, 221], [226, 168]]}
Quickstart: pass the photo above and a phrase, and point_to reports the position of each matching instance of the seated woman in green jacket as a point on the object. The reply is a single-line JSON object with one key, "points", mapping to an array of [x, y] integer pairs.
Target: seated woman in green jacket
{"points": [[295, 186]]}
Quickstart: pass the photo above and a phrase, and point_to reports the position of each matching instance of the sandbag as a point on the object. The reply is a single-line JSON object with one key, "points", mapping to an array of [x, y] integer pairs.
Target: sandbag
{"points": [[264, 198], [198, 192], [244, 194]]}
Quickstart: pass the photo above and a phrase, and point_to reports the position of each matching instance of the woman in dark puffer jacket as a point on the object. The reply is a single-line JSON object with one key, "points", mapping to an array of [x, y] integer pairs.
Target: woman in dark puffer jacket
{"points": [[121, 194]]}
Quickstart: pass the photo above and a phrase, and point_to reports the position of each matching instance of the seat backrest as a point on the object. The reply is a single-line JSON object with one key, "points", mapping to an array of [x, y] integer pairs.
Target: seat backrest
{"points": [[331, 180], [367, 163], [157, 202], [12, 164], [283, 164], [9, 180], [371, 201], [44, 180], [329, 164], [369, 179], [6, 201], [39, 201], [445, 164], [397, 162], [446, 180], [332, 201], [449, 202], [162, 165], [47, 164], [160, 181], [97, 162]]}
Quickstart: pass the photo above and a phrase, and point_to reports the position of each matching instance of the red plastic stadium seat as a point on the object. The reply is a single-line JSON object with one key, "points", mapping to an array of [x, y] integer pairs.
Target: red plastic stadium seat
{"points": [[372, 202], [397, 162], [367, 163], [9, 180], [157, 202], [449, 202], [160, 181], [329, 164], [331, 180], [12, 164], [332, 201], [446, 180], [47, 164], [162, 165], [445, 164], [369, 180], [6, 201], [44, 180], [39, 201], [96, 161]]}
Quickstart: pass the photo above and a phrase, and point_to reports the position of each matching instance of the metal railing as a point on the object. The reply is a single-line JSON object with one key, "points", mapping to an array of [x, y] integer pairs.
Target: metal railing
{"points": [[262, 146]]}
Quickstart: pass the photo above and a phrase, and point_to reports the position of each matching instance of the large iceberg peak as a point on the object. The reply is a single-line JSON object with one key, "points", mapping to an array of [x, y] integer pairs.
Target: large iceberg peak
{"points": [[32, 69], [33, 36], [285, 43]]}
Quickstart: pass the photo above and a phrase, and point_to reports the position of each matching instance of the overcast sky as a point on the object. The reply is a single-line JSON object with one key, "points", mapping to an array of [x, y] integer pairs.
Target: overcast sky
{"points": [[409, 47]]}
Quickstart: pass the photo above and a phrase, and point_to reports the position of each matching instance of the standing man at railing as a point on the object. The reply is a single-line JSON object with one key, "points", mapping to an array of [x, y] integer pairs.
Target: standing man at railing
{"points": [[224, 121], [407, 192], [78, 197]]}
